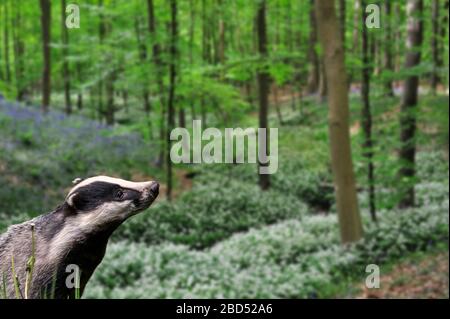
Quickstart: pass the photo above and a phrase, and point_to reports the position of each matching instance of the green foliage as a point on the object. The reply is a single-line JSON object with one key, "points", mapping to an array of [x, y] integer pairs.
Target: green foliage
{"points": [[291, 259], [211, 212]]}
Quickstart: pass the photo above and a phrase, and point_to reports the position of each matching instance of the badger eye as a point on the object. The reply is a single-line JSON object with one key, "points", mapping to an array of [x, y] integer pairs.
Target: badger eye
{"points": [[120, 194]]}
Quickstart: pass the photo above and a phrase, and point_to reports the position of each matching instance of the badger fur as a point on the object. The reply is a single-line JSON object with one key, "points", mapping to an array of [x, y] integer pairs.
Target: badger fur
{"points": [[76, 233]]}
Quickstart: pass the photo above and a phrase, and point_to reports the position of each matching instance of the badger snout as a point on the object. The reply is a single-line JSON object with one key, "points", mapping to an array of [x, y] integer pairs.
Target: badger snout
{"points": [[149, 194], [154, 189]]}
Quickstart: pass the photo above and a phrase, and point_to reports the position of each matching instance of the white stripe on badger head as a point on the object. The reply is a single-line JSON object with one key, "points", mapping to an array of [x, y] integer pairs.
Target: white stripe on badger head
{"points": [[138, 186]]}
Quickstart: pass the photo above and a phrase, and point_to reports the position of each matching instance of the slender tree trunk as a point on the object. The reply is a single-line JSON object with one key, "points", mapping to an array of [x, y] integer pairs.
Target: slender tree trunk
{"points": [[2, 77], [6, 42], [409, 102], [263, 84], [221, 45], [367, 116], [313, 76], [341, 158], [388, 61], [65, 53], [19, 51], [102, 34], [159, 77], [142, 48], [45, 24], [172, 87], [110, 104], [443, 32], [435, 44], [80, 93]]}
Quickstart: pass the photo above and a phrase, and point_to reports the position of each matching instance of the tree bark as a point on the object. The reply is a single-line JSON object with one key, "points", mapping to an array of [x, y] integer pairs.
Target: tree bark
{"points": [[19, 51], [80, 93], [159, 77], [172, 87], [435, 44], [367, 116], [101, 35], [409, 102], [65, 53], [6, 43], [342, 20], [45, 25], [388, 61], [341, 158], [263, 84]]}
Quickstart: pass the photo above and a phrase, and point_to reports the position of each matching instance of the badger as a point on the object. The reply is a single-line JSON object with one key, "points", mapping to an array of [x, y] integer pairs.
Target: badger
{"points": [[38, 256]]}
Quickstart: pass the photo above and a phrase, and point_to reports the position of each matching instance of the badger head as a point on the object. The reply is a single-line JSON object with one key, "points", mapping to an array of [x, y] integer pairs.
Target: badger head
{"points": [[102, 201]]}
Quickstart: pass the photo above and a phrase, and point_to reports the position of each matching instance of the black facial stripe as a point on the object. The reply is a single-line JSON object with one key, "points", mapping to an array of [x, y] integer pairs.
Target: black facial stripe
{"points": [[131, 194], [95, 194]]}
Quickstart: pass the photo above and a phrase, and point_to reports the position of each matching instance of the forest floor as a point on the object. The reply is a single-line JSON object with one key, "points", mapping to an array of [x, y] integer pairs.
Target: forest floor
{"points": [[423, 277]]}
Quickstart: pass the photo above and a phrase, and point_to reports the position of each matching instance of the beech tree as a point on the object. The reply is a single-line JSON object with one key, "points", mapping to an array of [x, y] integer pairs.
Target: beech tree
{"points": [[263, 83], [341, 155], [407, 154]]}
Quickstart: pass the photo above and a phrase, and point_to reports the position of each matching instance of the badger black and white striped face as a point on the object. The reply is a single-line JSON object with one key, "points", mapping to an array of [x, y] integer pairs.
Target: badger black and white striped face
{"points": [[100, 200]]}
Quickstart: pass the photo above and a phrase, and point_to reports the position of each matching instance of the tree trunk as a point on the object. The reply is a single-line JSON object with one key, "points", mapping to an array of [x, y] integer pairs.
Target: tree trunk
{"points": [[6, 43], [2, 77], [19, 51], [367, 116], [142, 48], [435, 44], [341, 158], [159, 77], [80, 93], [263, 84], [172, 87], [45, 24], [101, 34], [388, 62], [409, 102], [110, 104], [221, 45], [65, 53], [313, 59]]}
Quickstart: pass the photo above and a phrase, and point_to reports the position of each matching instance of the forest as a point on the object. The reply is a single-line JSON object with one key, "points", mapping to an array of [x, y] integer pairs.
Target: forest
{"points": [[358, 91]]}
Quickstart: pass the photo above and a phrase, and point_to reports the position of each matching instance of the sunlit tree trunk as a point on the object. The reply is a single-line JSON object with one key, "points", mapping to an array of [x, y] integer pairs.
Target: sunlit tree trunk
{"points": [[341, 157], [409, 102]]}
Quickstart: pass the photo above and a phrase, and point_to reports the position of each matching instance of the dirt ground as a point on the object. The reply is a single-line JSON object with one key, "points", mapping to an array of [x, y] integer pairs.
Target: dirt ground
{"points": [[427, 278]]}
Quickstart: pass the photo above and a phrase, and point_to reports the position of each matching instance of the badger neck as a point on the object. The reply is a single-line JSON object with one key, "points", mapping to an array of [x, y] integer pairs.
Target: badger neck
{"points": [[75, 247]]}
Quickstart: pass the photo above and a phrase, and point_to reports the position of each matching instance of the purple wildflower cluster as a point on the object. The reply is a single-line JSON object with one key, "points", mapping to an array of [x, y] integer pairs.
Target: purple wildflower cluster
{"points": [[58, 147]]}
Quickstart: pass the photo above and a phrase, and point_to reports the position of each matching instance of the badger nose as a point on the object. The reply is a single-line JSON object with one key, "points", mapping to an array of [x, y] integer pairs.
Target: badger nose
{"points": [[154, 188]]}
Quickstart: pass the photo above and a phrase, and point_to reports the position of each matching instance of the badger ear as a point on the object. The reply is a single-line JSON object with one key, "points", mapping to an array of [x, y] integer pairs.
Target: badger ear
{"points": [[72, 201], [77, 181]]}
